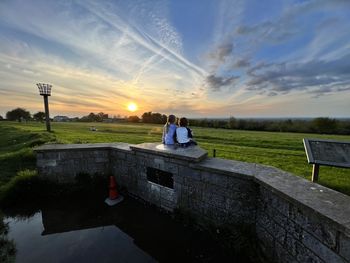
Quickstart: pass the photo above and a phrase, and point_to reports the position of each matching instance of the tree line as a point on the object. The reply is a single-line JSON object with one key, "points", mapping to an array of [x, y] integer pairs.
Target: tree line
{"points": [[322, 125]]}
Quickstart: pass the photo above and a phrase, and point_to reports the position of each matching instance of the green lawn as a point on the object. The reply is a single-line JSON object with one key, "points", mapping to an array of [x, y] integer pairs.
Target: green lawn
{"points": [[282, 150]]}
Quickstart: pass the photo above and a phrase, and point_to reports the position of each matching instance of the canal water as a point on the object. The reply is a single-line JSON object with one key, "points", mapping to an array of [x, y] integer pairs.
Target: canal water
{"points": [[90, 231]]}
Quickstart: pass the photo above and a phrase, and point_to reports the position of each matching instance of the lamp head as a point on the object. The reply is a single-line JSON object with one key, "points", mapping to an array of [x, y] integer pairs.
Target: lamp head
{"points": [[44, 89]]}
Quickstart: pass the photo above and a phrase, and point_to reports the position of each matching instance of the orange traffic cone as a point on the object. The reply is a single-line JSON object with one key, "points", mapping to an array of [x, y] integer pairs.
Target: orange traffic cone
{"points": [[113, 194], [114, 197]]}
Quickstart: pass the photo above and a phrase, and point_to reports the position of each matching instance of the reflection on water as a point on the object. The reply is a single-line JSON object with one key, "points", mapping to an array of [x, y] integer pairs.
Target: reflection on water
{"points": [[99, 244], [94, 232]]}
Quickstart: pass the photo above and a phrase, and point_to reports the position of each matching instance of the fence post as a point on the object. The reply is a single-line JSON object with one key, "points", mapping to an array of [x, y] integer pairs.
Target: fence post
{"points": [[214, 152]]}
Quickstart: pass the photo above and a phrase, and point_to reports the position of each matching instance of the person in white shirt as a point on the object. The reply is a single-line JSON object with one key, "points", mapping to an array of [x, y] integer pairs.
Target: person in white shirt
{"points": [[184, 134]]}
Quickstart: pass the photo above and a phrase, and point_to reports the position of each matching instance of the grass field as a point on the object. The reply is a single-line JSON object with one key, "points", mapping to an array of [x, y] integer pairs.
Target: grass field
{"points": [[282, 150]]}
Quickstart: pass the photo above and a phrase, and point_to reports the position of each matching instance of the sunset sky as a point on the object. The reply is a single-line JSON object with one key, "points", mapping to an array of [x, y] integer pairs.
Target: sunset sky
{"points": [[195, 58]]}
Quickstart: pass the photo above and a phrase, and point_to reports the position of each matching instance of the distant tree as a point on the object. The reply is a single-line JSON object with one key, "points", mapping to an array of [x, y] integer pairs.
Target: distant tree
{"points": [[101, 116], [150, 117], [147, 117], [75, 119], [133, 119], [1, 118], [324, 125], [39, 116], [18, 114], [158, 118], [232, 123], [91, 117]]}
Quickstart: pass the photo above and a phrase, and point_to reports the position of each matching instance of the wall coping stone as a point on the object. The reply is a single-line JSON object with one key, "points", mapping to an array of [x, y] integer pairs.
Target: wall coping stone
{"points": [[234, 168], [85, 146], [191, 153]]}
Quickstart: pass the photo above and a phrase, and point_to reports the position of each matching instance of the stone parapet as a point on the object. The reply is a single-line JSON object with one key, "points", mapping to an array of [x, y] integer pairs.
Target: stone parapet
{"points": [[294, 220]]}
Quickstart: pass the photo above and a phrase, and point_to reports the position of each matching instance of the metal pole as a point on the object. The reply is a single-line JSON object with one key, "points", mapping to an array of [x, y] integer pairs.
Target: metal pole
{"points": [[315, 171], [214, 152], [47, 115]]}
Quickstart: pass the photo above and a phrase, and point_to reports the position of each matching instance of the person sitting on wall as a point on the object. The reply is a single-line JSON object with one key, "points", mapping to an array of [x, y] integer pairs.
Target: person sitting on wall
{"points": [[169, 131], [184, 134]]}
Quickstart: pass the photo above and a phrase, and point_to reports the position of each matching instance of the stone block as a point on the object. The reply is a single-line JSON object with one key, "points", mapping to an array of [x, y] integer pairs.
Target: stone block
{"points": [[171, 168], [189, 173], [294, 229], [275, 214], [130, 157], [271, 199], [305, 255], [194, 191], [158, 163], [214, 213], [46, 162], [290, 244], [234, 183], [211, 197], [320, 249], [51, 155], [266, 244], [276, 230], [211, 188], [263, 220], [215, 179], [167, 205], [314, 224], [101, 160], [282, 255], [167, 194], [178, 178], [154, 194], [344, 246], [120, 156]]}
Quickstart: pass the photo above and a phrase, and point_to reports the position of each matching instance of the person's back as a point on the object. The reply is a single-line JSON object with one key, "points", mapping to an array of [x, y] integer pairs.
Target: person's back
{"points": [[184, 134], [169, 130]]}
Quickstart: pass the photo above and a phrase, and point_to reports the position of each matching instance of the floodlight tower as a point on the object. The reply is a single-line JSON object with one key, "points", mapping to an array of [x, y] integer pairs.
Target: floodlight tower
{"points": [[45, 91]]}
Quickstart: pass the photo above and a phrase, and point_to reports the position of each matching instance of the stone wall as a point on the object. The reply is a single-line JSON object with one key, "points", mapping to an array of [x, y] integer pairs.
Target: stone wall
{"points": [[293, 220], [298, 220]]}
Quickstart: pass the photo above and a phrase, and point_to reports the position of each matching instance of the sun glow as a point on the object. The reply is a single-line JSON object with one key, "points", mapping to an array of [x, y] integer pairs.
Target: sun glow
{"points": [[132, 107]]}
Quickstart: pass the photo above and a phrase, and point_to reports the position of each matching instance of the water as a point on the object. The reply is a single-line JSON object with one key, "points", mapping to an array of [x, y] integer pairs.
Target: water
{"points": [[93, 232]]}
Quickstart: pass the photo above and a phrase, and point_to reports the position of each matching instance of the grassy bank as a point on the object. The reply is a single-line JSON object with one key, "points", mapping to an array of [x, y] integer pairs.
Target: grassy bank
{"points": [[282, 150]]}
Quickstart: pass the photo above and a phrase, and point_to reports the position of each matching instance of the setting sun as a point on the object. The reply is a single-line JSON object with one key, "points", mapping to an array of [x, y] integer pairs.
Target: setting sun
{"points": [[132, 107]]}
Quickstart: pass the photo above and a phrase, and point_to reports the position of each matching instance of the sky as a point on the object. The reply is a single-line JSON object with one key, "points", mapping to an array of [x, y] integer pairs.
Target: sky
{"points": [[194, 58]]}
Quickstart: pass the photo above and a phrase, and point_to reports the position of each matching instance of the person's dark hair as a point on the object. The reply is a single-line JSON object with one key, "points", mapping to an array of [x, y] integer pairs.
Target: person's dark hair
{"points": [[171, 119], [183, 122]]}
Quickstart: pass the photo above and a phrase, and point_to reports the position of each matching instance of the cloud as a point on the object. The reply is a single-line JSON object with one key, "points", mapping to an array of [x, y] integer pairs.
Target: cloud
{"points": [[241, 63], [324, 76], [219, 54], [215, 83]]}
